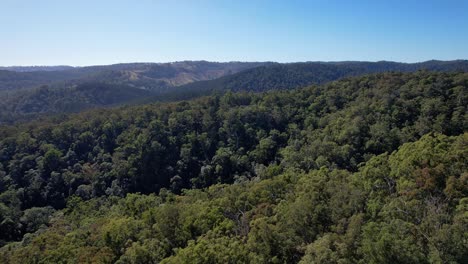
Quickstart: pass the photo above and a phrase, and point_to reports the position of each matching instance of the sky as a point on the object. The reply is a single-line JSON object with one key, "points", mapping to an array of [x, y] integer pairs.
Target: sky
{"points": [[97, 32]]}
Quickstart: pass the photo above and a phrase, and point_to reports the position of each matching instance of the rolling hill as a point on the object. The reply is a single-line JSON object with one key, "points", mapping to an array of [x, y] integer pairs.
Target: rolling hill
{"points": [[26, 92], [151, 76], [149, 82], [368, 169], [294, 75]]}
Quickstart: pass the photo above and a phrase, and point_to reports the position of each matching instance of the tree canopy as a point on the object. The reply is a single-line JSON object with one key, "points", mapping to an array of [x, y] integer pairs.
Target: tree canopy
{"points": [[367, 169]]}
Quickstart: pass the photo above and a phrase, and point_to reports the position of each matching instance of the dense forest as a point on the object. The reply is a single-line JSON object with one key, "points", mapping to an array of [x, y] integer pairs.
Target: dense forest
{"points": [[27, 93], [77, 89], [301, 74], [369, 169], [31, 104]]}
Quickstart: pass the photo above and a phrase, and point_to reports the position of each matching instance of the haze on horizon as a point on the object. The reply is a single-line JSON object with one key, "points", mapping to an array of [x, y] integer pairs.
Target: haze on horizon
{"points": [[107, 32]]}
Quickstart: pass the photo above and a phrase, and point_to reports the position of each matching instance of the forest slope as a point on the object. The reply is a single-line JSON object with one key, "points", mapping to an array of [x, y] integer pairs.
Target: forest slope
{"points": [[294, 75], [143, 83], [29, 93], [142, 75], [63, 181], [406, 207]]}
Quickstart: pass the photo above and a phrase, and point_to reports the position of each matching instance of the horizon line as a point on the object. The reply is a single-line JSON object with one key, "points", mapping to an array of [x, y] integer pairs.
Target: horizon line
{"points": [[231, 61]]}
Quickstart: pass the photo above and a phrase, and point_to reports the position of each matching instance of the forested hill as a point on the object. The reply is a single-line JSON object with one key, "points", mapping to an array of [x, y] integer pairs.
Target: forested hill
{"points": [[295, 175], [35, 68], [30, 104], [294, 75], [77, 89], [150, 76], [30, 92]]}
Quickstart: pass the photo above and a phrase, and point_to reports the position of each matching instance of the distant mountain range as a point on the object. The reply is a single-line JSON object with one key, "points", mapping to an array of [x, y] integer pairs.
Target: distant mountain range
{"points": [[149, 76], [26, 92], [36, 68], [294, 75]]}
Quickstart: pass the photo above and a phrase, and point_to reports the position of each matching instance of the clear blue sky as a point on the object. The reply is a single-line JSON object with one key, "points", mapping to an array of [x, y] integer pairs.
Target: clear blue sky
{"points": [[89, 32]]}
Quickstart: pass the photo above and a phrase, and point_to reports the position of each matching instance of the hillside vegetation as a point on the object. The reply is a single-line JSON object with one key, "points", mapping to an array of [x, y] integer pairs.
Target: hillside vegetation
{"points": [[295, 75], [369, 169], [32, 92], [90, 87], [407, 207], [31, 104], [142, 75]]}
